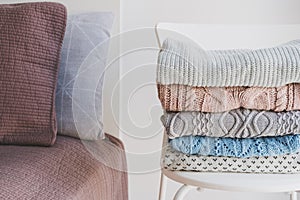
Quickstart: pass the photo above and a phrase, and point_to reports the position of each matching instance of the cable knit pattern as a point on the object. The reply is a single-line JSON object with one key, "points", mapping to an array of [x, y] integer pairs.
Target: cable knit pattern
{"points": [[220, 99], [242, 148], [239, 123], [186, 63]]}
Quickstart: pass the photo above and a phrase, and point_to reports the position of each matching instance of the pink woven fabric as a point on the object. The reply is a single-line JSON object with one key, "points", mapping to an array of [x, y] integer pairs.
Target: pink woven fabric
{"points": [[66, 170], [31, 36], [221, 99]]}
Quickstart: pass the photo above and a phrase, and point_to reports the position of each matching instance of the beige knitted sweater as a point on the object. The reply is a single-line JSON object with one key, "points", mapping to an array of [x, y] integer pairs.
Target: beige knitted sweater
{"points": [[221, 99]]}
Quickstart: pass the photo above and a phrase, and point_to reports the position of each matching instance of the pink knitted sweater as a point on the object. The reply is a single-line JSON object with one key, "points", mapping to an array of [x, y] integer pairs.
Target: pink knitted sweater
{"points": [[219, 99]]}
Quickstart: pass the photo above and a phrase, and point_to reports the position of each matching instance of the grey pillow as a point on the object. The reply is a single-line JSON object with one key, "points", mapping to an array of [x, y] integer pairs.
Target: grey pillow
{"points": [[81, 74]]}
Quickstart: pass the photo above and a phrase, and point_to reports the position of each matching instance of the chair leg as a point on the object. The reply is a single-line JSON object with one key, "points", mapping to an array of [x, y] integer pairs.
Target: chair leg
{"points": [[293, 195], [183, 190], [163, 187]]}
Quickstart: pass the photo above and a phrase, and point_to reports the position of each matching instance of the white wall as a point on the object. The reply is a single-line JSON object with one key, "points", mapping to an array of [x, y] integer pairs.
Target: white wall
{"points": [[139, 105]]}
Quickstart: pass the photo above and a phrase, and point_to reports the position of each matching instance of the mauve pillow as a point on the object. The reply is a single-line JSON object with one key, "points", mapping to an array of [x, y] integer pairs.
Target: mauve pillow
{"points": [[31, 36], [80, 80]]}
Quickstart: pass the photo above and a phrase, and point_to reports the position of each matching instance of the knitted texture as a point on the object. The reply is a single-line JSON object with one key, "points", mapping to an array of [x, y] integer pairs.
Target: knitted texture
{"points": [[242, 148], [239, 123], [175, 161], [219, 99], [31, 36], [68, 170], [186, 63]]}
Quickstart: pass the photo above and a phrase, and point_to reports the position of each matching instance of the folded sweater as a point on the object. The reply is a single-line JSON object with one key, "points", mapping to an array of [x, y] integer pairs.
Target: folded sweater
{"points": [[187, 63], [219, 99], [175, 161], [248, 147], [238, 123]]}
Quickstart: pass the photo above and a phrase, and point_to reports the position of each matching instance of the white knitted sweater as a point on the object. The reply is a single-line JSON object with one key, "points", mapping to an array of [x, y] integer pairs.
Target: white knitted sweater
{"points": [[186, 63]]}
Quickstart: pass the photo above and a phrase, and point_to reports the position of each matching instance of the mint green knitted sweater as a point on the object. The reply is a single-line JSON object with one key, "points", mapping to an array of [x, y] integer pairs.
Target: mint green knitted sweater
{"points": [[188, 64]]}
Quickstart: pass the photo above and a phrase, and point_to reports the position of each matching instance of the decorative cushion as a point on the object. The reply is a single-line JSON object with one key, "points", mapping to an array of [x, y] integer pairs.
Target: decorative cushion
{"points": [[80, 82], [31, 36]]}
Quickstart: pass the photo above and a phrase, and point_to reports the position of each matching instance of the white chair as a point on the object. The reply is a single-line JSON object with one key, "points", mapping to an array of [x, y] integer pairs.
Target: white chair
{"points": [[229, 37]]}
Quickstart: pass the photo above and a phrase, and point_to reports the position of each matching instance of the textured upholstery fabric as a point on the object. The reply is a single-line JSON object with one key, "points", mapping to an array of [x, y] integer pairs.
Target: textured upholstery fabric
{"points": [[174, 160], [187, 63], [238, 123], [235, 147], [221, 99], [80, 81], [66, 170], [31, 36]]}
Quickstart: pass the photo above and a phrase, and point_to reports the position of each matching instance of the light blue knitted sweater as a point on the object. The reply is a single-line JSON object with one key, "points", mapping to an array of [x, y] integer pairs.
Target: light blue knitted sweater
{"points": [[248, 147]]}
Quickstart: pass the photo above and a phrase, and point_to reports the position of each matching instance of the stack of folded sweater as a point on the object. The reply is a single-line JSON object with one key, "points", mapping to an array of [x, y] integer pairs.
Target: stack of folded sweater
{"points": [[230, 110]]}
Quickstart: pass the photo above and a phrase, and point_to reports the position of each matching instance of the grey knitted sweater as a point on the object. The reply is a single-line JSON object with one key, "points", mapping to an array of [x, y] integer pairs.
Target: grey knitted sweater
{"points": [[238, 123], [187, 64]]}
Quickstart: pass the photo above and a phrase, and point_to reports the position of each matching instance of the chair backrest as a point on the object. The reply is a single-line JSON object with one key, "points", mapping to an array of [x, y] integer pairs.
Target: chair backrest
{"points": [[216, 36]]}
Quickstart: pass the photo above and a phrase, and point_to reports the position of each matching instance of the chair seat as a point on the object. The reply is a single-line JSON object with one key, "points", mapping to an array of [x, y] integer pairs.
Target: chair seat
{"points": [[242, 182]]}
